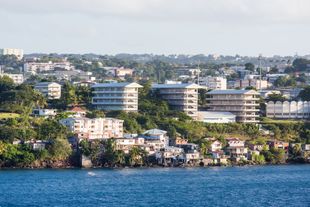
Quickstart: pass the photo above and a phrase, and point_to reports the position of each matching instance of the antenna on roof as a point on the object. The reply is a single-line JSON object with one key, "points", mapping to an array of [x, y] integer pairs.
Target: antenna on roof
{"points": [[260, 71]]}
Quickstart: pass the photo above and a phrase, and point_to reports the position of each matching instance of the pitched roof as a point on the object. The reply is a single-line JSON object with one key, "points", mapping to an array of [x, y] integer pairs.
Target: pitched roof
{"points": [[155, 132]]}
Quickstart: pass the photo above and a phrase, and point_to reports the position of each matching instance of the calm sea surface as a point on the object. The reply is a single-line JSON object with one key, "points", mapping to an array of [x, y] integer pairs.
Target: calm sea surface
{"points": [[217, 186]]}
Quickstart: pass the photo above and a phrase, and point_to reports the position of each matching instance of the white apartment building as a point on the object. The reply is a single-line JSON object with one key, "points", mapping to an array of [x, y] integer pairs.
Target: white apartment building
{"points": [[98, 128], [288, 110], [182, 97], [214, 83], [35, 67], [19, 53], [17, 78], [51, 90], [242, 103], [116, 96]]}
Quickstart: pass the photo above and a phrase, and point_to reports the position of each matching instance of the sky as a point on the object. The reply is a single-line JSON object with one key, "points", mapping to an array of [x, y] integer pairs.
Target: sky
{"points": [[227, 27]]}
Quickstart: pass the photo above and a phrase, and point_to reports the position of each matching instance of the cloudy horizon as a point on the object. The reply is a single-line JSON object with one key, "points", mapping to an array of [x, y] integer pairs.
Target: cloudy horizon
{"points": [[244, 27]]}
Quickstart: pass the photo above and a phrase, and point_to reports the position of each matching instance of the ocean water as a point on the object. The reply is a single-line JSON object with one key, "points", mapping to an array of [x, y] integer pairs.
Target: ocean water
{"points": [[217, 186]]}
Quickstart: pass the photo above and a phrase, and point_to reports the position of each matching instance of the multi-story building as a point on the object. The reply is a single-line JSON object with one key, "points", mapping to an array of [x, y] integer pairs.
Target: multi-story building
{"points": [[34, 67], [116, 96], [19, 53], [182, 97], [214, 83], [288, 110], [242, 103], [98, 128], [17, 78], [51, 90], [256, 83]]}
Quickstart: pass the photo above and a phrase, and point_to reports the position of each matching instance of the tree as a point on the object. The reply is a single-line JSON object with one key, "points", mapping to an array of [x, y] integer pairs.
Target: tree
{"points": [[305, 94], [276, 97], [6, 84], [250, 67], [301, 64], [60, 149]]}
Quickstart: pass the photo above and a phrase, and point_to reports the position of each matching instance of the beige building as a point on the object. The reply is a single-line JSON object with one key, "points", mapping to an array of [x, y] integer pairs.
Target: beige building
{"points": [[19, 53], [214, 83], [116, 96], [288, 110], [51, 90], [258, 84], [242, 103], [98, 128], [182, 97]]}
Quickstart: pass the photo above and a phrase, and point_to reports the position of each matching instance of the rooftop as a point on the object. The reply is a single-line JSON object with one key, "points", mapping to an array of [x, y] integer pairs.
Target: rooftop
{"points": [[117, 85], [231, 91], [155, 132], [182, 85]]}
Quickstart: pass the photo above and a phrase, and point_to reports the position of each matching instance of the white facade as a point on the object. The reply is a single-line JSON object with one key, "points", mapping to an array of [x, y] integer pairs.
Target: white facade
{"points": [[49, 89], [17, 78], [98, 128], [182, 97], [214, 83], [116, 96], [288, 110], [216, 117], [19, 53], [44, 112], [242, 103], [34, 67]]}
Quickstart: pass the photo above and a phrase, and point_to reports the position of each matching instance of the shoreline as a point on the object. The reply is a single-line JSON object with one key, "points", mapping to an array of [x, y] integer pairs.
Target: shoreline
{"points": [[145, 167]]}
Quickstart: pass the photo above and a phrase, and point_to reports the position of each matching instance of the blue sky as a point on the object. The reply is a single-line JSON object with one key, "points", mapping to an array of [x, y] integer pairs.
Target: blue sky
{"points": [[229, 27]]}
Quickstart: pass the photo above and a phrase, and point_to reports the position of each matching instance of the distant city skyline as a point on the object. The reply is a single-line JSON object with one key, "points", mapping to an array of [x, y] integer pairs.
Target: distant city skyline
{"points": [[224, 27]]}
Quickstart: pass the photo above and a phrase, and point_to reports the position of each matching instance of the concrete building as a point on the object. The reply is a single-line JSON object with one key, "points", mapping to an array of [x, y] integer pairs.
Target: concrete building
{"points": [[19, 53], [17, 78], [242, 103], [288, 110], [182, 97], [214, 83], [35, 67], [51, 90], [116, 96], [216, 117], [98, 128], [258, 84]]}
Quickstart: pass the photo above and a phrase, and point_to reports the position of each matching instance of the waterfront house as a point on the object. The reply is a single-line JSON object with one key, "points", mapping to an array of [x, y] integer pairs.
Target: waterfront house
{"points": [[216, 146], [192, 154], [236, 149], [170, 155], [156, 139], [278, 144]]}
